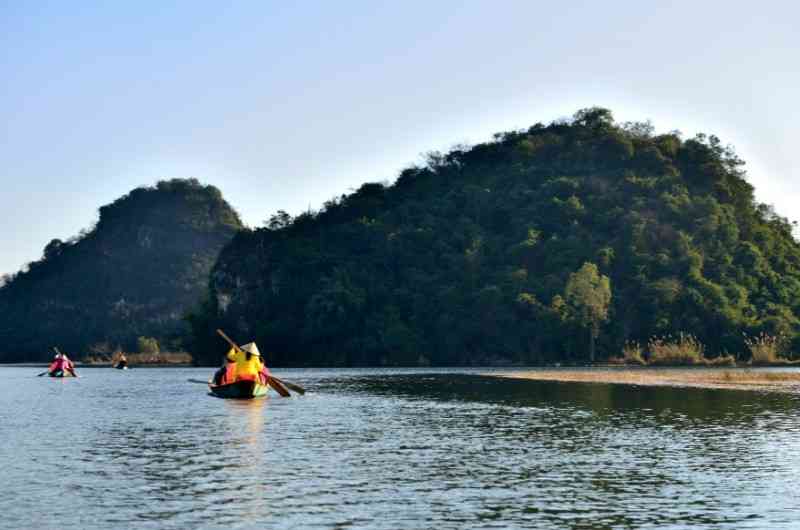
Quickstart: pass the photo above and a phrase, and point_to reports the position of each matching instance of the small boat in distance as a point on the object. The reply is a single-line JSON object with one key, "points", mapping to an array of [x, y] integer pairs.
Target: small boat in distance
{"points": [[61, 366], [119, 361], [60, 373], [122, 362]]}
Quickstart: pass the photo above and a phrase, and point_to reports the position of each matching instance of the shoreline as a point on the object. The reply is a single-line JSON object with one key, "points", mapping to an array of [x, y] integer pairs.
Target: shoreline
{"points": [[758, 379], [98, 365]]}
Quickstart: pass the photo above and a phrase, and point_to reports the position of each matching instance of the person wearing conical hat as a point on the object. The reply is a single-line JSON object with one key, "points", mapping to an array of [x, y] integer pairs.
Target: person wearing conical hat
{"points": [[242, 365], [249, 367], [251, 348]]}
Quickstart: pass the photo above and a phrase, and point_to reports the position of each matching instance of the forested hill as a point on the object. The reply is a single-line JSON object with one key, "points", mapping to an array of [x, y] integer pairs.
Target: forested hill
{"points": [[133, 274], [485, 254]]}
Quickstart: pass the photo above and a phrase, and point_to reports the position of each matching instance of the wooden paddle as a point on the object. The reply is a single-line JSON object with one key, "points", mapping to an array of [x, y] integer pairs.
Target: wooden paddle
{"points": [[278, 386], [297, 388], [272, 381]]}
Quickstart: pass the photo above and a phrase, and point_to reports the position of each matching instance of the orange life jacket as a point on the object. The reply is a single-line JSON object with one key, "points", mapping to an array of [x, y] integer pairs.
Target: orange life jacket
{"points": [[230, 374]]}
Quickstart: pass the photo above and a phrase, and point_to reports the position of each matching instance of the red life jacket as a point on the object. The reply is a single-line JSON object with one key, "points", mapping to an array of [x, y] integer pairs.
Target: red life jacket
{"points": [[57, 364]]}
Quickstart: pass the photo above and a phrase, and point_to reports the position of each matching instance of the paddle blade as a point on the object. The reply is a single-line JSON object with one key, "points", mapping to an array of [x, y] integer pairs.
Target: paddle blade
{"points": [[278, 386], [291, 386]]}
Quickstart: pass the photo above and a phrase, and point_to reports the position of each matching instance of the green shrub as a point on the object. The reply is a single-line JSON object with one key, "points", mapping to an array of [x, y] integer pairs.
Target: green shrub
{"points": [[148, 345]]}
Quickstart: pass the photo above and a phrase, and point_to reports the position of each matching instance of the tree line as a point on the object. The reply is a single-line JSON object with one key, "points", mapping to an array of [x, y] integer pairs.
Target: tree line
{"points": [[558, 243]]}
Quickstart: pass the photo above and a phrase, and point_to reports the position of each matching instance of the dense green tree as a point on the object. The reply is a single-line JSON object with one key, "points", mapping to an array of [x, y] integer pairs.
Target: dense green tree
{"points": [[588, 294], [466, 260]]}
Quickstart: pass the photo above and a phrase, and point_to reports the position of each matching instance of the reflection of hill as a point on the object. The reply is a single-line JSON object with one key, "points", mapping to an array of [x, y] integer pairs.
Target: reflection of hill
{"points": [[573, 455], [612, 402]]}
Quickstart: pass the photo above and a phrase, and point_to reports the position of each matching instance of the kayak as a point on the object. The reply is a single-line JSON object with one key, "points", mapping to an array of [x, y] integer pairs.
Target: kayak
{"points": [[121, 367], [60, 373], [239, 390]]}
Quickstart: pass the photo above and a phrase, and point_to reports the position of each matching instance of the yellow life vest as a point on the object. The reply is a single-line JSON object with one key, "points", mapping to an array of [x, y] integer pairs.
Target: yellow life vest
{"points": [[245, 369]]}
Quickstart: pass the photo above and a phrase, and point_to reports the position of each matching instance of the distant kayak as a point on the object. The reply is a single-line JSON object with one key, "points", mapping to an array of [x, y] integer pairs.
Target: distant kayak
{"points": [[61, 366], [60, 373], [121, 363], [239, 390]]}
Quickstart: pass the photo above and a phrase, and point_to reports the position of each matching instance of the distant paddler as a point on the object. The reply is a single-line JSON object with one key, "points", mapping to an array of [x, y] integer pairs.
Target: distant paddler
{"points": [[122, 362], [61, 366]]}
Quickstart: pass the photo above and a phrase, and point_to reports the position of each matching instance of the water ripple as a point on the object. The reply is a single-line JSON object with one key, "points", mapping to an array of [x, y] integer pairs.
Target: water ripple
{"points": [[365, 449]]}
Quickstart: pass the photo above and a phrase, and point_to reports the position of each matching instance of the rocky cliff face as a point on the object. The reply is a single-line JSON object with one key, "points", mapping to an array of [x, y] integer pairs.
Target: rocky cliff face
{"points": [[135, 273]]}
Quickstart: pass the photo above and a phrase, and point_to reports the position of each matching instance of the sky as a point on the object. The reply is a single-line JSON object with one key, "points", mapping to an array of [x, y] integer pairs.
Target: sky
{"points": [[284, 105]]}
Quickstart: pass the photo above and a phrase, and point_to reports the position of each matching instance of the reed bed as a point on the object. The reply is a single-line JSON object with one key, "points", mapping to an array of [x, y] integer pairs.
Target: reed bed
{"points": [[687, 350], [767, 350], [632, 354]]}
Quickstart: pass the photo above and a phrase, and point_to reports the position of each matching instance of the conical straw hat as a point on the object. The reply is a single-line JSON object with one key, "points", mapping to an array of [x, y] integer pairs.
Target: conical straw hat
{"points": [[251, 347]]}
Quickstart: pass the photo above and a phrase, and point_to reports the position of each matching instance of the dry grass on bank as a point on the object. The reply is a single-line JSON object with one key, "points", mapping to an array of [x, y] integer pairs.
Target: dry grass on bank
{"points": [[767, 350], [686, 350], [701, 377], [632, 354]]}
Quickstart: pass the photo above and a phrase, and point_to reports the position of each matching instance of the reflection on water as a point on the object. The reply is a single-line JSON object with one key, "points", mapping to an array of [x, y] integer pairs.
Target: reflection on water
{"points": [[146, 449], [197, 467]]}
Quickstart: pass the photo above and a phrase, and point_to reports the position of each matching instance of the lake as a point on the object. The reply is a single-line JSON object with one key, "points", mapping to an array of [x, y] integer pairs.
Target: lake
{"points": [[391, 449]]}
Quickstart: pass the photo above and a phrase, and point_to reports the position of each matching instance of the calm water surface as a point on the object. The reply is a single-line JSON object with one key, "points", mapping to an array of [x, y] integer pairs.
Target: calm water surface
{"points": [[382, 449]]}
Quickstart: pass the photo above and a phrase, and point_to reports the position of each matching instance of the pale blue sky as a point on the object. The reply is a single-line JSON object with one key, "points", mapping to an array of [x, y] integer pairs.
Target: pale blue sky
{"points": [[283, 107]]}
